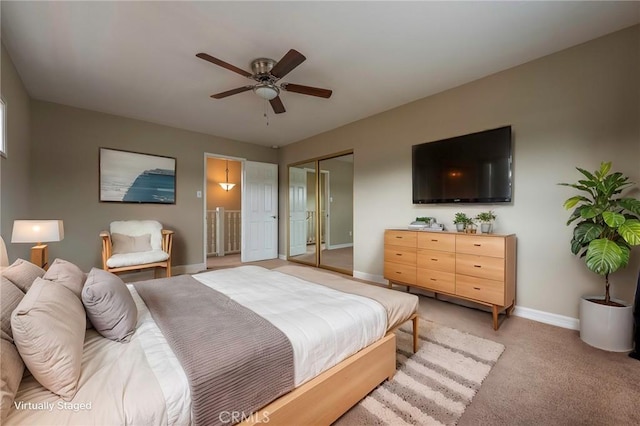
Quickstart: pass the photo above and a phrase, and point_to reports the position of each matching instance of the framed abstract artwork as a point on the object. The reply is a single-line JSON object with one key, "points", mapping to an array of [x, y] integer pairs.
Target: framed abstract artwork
{"points": [[133, 177]]}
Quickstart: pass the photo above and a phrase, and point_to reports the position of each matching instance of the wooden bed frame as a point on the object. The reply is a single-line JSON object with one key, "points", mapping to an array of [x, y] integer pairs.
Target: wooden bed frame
{"points": [[322, 400]]}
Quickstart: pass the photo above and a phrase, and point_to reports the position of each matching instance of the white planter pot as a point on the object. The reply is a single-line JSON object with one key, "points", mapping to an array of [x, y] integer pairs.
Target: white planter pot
{"points": [[606, 327], [486, 228]]}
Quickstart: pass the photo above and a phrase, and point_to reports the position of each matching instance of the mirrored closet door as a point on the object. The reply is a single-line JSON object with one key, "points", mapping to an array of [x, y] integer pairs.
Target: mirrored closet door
{"points": [[321, 212]]}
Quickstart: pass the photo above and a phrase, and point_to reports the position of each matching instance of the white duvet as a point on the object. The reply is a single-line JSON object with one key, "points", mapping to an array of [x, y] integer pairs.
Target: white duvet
{"points": [[324, 326]]}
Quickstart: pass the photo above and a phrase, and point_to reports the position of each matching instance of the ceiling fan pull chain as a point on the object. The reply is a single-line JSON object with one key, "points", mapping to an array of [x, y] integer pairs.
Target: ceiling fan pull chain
{"points": [[266, 117]]}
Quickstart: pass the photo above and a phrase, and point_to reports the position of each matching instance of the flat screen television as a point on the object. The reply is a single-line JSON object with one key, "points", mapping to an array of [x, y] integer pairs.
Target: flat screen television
{"points": [[474, 168]]}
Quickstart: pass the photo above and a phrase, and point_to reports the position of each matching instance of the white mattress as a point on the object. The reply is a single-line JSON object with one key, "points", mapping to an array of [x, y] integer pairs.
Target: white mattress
{"points": [[324, 326]]}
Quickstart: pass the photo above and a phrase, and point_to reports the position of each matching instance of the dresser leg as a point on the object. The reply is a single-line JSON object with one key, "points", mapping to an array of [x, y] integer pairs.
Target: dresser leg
{"points": [[510, 309], [415, 333], [495, 317]]}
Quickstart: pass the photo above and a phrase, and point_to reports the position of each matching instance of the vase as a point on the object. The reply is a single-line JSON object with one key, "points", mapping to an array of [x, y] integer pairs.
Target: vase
{"points": [[460, 227], [606, 327], [486, 228]]}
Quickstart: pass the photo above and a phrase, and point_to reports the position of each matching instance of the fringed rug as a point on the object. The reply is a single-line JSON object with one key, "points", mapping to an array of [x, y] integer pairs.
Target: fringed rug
{"points": [[433, 386]]}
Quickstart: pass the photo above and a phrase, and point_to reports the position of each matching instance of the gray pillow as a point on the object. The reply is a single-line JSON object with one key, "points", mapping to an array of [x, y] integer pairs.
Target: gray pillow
{"points": [[109, 305], [23, 274], [66, 274], [10, 297], [48, 330], [123, 244]]}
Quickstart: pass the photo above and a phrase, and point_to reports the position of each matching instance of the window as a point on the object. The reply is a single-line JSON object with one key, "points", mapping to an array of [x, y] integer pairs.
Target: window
{"points": [[3, 128]]}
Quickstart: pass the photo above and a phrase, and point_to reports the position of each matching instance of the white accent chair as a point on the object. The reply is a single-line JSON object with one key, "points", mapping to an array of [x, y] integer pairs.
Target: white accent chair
{"points": [[4, 259], [131, 245]]}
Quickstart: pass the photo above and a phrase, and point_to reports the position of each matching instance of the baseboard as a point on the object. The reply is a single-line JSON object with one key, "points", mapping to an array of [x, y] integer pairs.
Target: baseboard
{"points": [[370, 277], [547, 317], [282, 256], [519, 311]]}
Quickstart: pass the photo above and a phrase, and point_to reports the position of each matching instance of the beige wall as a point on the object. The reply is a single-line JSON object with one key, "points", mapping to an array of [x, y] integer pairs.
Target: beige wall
{"points": [[64, 177], [14, 170], [577, 107]]}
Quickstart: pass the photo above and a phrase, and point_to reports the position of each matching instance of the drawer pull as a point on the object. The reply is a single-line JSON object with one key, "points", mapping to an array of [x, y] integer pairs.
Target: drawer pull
{"points": [[433, 279], [435, 260], [476, 288], [477, 266], [399, 273], [398, 254], [398, 237], [478, 245], [435, 241]]}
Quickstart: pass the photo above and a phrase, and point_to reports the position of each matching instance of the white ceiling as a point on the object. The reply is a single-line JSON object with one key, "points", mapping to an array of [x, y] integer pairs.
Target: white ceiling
{"points": [[137, 59]]}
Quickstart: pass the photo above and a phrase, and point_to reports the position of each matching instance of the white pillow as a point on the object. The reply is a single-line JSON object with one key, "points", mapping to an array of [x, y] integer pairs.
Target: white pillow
{"points": [[48, 330], [135, 228]]}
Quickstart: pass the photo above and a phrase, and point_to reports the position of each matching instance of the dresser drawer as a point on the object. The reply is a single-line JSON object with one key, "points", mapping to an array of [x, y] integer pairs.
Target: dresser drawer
{"points": [[399, 273], [437, 241], [400, 238], [480, 289], [400, 254], [436, 280], [436, 260], [480, 266], [482, 246]]}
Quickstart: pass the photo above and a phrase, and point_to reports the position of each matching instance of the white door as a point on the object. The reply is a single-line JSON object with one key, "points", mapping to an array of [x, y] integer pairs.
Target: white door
{"points": [[297, 211], [259, 212]]}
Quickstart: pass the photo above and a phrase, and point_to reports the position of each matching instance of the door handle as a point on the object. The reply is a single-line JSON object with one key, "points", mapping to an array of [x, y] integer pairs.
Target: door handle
{"points": [[274, 217]]}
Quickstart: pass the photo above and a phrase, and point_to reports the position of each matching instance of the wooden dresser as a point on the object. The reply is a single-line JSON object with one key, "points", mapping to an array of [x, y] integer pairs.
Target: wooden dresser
{"points": [[477, 267]]}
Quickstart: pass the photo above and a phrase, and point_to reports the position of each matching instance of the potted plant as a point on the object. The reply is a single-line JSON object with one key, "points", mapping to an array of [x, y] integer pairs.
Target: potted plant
{"points": [[607, 225], [486, 221], [461, 220]]}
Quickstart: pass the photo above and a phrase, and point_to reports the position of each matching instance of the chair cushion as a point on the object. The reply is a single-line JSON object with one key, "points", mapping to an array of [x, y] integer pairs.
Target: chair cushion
{"points": [[131, 259], [48, 330], [109, 305], [135, 228], [22, 274], [123, 244]]}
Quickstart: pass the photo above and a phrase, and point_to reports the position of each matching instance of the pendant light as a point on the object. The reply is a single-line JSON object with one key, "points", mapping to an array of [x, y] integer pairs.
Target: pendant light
{"points": [[226, 185]]}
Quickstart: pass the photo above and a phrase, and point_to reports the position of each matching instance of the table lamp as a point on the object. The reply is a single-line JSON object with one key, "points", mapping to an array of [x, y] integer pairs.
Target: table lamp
{"points": [[37, 231]]}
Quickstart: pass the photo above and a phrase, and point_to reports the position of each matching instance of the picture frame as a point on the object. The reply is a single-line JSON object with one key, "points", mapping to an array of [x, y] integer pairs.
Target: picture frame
{"points": [[3, 128], [134, 177]]}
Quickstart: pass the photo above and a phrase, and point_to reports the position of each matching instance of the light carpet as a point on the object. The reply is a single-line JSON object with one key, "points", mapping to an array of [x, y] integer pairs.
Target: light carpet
{"points": [[433, 386]]}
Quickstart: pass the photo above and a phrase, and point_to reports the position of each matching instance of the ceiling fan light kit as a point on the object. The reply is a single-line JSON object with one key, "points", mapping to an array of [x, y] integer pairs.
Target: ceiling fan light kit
{"points": [[267, 72]]}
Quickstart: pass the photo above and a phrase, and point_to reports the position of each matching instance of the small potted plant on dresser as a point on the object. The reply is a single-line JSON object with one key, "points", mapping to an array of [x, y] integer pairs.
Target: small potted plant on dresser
{"points": [[461, 220], [486, 221], [607, 227]]}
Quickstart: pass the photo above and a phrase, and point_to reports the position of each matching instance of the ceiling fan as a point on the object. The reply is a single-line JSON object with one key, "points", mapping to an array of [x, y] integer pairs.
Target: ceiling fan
{"points": [[267, 72]]}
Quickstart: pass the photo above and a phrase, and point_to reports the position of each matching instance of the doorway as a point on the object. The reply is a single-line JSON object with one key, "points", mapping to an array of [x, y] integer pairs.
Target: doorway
{"points": [[320, 208], [223, 215]]}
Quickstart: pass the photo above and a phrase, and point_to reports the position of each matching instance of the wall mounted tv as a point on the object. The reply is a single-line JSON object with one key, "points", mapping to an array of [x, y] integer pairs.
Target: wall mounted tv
{"points": [[474, 168]]}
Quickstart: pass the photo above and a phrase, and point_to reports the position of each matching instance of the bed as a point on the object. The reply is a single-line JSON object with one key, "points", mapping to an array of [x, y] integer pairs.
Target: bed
{"points": [[339, 330]]}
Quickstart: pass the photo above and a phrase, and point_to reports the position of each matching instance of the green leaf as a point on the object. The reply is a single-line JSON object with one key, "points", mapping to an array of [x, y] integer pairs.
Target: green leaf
{"points": [[630, 204], [626, 254], [613, 219], [587, 174], [605, 167], [589, 212], [630, 231], [604, 256], [576, 246], [587, 231], [571, 202], [588, 183]]}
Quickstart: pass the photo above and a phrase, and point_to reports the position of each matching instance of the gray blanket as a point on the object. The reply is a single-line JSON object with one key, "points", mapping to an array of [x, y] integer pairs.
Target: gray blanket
{"points": [[235, 360]]}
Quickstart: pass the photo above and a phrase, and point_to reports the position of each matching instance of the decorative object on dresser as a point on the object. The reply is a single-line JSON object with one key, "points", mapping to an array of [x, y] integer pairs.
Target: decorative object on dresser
{"points": [[608, 226], [461, 220], [486, 221], [130, 245], [38, 231], [477, 268]]}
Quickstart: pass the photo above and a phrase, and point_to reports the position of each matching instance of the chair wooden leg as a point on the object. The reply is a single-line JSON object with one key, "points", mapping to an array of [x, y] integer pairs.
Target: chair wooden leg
{"points": [[168, 270], [415, 333]]}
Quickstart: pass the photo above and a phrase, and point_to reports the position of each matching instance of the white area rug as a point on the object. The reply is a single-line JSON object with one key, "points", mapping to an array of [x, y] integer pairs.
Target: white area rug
{"points": [[433, 386]]}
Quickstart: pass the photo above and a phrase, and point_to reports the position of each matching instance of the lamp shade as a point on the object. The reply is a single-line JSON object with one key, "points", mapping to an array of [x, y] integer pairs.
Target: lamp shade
{"points": [[37, 231], [227, 186]]}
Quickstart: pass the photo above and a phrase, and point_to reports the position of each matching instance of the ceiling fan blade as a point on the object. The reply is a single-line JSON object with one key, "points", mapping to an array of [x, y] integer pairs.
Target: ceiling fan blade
{"points": [[307, 90], [276, 104], [231, 92], [223, 64], [292, 59]]}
